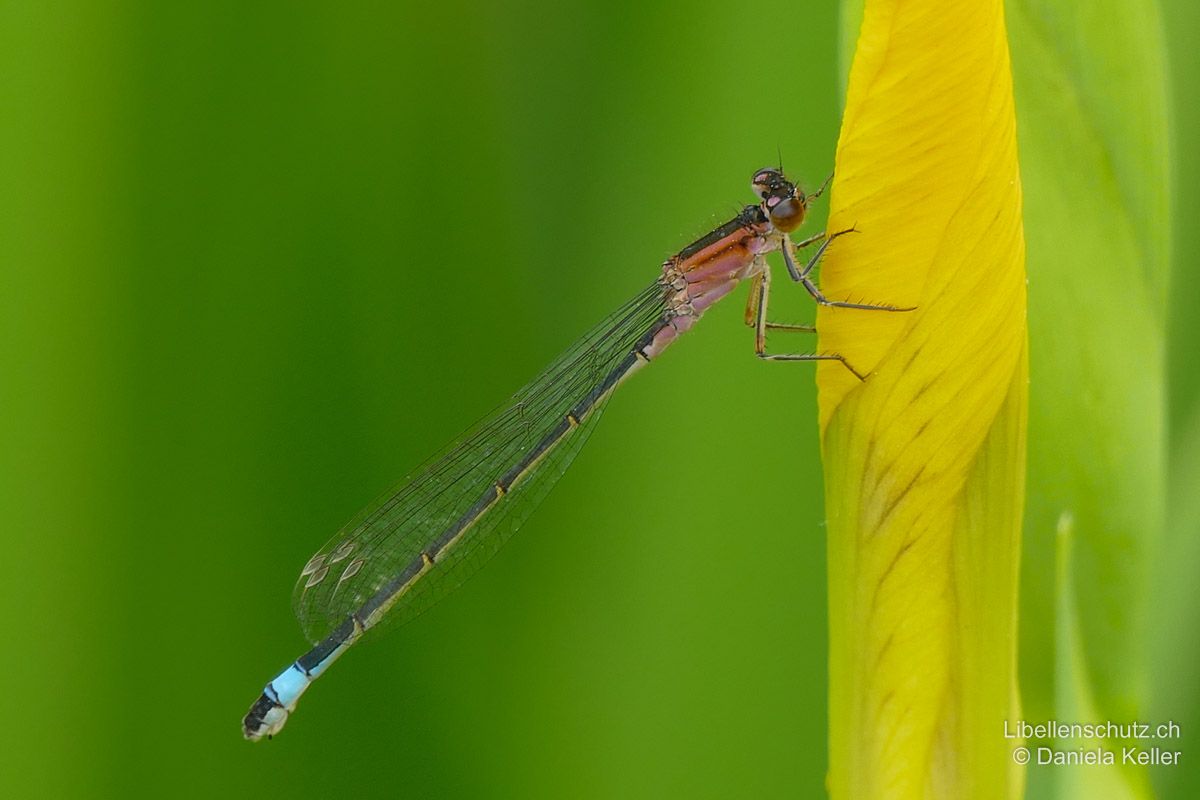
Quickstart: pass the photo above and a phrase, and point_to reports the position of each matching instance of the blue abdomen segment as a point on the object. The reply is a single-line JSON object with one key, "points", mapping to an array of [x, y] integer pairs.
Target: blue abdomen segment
{"points": [[279, 698]]}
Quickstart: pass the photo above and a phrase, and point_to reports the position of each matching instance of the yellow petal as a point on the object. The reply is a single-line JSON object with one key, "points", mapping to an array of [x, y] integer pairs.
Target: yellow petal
{"points": [[925, 459]]}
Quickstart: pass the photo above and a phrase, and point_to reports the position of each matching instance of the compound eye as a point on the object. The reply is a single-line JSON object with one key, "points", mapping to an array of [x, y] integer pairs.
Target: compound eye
{"points": [[787, 214]]}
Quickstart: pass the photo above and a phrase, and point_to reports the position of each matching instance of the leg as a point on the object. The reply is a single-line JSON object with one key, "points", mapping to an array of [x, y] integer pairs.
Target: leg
{"points": [[754, 302], [790, 248], [801, 276], [816, 237], [780, 326], [760, 307], [813, 357], [820, 191], [751, 315], [760, 295], [756, 312]]}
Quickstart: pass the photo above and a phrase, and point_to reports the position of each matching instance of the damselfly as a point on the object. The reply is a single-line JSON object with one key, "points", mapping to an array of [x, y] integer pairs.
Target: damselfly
{"points": [[415, 544]]}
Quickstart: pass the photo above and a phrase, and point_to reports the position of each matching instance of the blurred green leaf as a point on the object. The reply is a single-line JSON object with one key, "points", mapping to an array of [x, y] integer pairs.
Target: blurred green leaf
{"points": [[1176, 628], [259, 260], [1091, 113]]}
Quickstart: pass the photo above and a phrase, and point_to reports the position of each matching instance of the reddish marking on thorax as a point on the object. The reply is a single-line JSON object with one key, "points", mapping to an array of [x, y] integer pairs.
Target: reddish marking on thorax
{"points": [[704, 277]]}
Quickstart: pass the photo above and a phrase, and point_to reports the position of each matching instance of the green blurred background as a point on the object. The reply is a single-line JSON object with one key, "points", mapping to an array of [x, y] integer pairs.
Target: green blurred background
{"points": [[258, 261]]}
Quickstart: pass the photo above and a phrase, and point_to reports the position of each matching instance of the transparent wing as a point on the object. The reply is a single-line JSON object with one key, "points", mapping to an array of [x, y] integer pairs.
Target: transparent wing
{"points": [[384, 543]]}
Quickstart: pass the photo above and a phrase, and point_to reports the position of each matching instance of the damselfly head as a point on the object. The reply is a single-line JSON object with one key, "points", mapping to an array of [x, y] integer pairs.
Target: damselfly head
{"points": [[783, 203], [771, 181]]}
